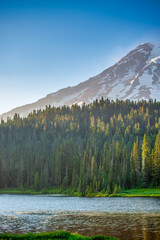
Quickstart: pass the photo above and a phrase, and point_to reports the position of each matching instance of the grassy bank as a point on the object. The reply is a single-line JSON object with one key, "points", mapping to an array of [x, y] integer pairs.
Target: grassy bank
{"points": [[53, 235], [34, 192], [142, 192]]}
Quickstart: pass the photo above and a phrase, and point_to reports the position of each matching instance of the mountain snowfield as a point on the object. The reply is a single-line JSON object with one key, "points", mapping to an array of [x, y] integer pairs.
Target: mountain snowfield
{"points": [[136, 76]]}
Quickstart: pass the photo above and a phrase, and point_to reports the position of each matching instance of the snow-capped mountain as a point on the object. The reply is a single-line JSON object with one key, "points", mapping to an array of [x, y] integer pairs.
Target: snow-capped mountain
{"points": [[136, 76]]}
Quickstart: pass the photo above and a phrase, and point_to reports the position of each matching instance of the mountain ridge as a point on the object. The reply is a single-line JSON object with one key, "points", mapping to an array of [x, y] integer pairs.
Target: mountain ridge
{"points": [[136, 76]]}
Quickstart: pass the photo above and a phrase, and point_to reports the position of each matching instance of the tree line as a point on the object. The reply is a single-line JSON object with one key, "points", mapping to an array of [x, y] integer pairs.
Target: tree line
{"points": [[103, 146]]}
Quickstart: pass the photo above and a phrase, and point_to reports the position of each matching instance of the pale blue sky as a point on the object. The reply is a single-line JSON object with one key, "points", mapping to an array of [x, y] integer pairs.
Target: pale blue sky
{"points": [[46, 45]]}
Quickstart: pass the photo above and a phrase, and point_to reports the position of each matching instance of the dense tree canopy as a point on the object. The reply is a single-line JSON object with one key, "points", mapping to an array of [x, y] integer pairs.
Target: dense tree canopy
{"points": [[96, 147]]}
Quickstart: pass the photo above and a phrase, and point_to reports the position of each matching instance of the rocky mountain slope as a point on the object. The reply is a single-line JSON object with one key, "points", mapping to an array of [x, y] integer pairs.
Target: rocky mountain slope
{"points": [[136, 76]]}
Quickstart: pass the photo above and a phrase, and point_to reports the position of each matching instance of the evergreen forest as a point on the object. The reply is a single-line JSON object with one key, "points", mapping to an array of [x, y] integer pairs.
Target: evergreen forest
{"points": [[104, 146]]}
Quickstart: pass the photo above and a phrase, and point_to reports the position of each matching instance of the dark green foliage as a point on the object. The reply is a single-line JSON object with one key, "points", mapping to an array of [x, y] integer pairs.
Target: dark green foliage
{"points": [[101, 147], [156, 160], [102, 238], [146, 162], [52, 235]]}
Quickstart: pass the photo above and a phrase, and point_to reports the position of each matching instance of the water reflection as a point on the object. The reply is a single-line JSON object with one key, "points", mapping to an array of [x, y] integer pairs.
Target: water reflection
{"points": [[121, 225], [109, 218]]}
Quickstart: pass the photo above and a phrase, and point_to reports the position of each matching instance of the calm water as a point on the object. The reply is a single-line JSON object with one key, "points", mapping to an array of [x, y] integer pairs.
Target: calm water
{"points": [[125, 218]]}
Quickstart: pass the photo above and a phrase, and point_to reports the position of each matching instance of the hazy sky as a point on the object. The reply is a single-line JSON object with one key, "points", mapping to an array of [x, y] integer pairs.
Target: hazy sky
{"points": [[46, 45]]}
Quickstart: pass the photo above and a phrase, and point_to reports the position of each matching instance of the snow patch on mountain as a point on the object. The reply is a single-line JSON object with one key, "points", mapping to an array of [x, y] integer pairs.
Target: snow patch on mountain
{"points": [[156, 60], [66, 100]]}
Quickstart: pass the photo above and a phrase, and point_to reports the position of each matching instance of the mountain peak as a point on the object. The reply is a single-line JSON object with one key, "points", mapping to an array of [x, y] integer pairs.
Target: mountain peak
{"points": [[136, 76]]}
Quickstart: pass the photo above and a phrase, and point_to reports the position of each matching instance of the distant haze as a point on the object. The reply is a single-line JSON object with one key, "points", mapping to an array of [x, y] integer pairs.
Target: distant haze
{"points": [[48, 45]]}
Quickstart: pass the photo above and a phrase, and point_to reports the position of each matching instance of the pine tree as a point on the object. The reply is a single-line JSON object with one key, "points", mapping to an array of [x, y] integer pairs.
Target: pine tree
{"points": [[135, 164], [146, 162], [1, 173], [156, 161], [36, 181]]}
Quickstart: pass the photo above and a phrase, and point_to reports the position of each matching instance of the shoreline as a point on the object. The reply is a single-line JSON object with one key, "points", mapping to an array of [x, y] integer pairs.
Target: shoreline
{"points": [[142, 192]]}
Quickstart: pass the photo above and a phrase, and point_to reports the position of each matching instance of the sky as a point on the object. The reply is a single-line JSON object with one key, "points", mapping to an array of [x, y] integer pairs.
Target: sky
{"points": [[46, 45]]}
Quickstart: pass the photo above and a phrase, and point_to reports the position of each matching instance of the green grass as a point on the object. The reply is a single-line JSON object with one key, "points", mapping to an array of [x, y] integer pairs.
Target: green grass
{"points": [[32, 191], [142, 192], [53, 235]]}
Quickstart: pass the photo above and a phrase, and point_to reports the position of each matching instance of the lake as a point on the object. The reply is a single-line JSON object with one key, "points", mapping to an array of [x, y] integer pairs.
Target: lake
{"points": [[125, 218]]}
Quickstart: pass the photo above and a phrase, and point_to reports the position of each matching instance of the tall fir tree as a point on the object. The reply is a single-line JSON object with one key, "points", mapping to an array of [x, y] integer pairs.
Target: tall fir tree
{"points": [[146, 162], [156, 161]]}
